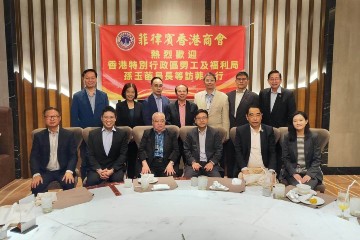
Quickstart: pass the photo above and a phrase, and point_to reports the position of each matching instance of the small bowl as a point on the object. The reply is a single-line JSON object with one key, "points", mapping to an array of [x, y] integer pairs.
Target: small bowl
{"points": [[303, 188]]}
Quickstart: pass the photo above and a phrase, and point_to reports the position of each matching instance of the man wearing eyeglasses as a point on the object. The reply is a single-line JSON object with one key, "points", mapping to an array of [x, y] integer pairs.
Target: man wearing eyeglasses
{"points": [[107, 149], [202, 148], [158, 150], [156, 102], [239, 101], [53, 154]]}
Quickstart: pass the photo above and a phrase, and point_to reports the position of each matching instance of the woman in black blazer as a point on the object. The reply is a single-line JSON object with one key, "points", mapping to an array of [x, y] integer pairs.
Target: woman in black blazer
{"points": [[301, 153], [129, 113]]}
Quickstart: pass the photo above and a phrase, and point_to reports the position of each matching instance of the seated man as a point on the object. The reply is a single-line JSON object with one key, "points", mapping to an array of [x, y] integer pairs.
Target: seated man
{"points": [[53, 155], [158, 148], [202, 148], [107, 149], [254, 143]]}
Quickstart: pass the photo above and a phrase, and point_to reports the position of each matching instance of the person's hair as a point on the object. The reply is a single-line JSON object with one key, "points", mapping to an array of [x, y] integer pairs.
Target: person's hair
{"points": [[157, 113], [242, 73], [179, 86], [274, 71], [209, 74], [201, 111], [126, 87], [108, 109], [51, 108], [252, 106], [154, 78], [89, 70], [292, 130]]}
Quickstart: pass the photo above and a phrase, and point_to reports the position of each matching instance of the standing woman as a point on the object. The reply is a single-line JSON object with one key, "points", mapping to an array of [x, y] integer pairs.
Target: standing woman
{"points": [[129, 113], [301, 153]]}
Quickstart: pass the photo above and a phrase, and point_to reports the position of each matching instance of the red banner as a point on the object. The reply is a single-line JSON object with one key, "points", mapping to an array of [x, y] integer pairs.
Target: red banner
{"points": [[177, 54]]}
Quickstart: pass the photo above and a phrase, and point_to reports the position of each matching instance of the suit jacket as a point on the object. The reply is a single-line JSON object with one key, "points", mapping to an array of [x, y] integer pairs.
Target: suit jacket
{"points": [[147, 146], [149, 108], [116, 158], [243, 146], [66, 152], [219, 109], [249, 98], [123, 116], [173, 115], [312, 156], [213, 146], [283, 109], [81, 112]]}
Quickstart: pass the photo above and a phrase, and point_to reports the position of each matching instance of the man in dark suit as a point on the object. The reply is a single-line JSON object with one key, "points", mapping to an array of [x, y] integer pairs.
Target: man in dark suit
{"points": [[239, 101], [86, 108], [158, 150], [155, 102], [53, 154], [202, 148], [276, 103], [255, 143], [107, 149]]}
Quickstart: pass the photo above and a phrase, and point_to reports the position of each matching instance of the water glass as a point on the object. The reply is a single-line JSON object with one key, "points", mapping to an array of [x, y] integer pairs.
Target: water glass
{"points": [[128, 183], [355, 206], [279, 191], [194, 181], [202, 182], [46, 203]]}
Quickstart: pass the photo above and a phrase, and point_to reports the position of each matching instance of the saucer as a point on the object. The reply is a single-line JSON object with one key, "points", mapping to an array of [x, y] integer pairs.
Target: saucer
{"points": [[302, 194], [320, 201], [155, 180]]}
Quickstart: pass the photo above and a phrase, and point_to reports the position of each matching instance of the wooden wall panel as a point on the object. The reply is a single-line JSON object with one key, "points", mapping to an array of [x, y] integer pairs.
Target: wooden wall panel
{"points": [[65, 113], [300, 99]]}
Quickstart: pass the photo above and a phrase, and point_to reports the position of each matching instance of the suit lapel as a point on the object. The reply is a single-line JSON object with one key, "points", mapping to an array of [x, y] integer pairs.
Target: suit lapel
{"points": [[277, 101], [202, 101], [187, 113]]}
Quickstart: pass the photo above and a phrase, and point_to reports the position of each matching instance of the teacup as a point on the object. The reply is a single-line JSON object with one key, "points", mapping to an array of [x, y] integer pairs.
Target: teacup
{"points": [[303, 188]]}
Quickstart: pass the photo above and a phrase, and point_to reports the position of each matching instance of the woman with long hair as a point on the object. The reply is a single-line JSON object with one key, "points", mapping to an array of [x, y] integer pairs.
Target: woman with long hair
{"points": [[301, 153]]}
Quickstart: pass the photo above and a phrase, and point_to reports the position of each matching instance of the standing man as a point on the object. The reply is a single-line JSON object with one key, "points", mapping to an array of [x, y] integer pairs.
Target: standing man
{"points": [[107, 148], [215, 102], [276, 103], [86, 109], [155, 102], [203, 148], [239, 101], [53, 155], [255, 143], [158, 148]]}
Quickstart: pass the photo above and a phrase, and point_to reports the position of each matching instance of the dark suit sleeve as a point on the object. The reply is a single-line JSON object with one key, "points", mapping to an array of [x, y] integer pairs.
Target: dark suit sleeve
{"points": [[106, 100], [255, 101], [239, 150], [286, 158], [74, 112], [168, 115], [72, 148], [142, 147], [120, 162], [218, 147], [272, 152], [188, 149], [118, 114], [174, 156], [146, 113], [94, 164], [35, 155], [316, 157], [261, 101], [291, 106]]}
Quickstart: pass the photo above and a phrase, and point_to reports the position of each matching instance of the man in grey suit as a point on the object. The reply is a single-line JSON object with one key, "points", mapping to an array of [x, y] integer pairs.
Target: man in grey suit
{"points": [[239, 101], [202, 148], [107, 149]]}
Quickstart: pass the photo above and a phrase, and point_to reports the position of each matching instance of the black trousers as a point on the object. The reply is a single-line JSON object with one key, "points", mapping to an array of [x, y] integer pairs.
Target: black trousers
{"points": [[48, 177]]}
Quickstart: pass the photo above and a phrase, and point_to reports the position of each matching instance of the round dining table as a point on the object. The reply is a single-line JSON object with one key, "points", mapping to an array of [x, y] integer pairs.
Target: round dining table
{"points": [[189, 213]]}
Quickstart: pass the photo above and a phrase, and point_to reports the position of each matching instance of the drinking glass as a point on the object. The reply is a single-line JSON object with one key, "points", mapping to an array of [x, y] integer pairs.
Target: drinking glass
{"points": [[343, 203]]}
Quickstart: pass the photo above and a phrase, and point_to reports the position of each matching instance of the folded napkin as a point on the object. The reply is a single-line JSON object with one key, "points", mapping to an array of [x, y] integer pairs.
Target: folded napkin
{"points": [[158, 187], [236, 181], [218, 186], [293, 196]]}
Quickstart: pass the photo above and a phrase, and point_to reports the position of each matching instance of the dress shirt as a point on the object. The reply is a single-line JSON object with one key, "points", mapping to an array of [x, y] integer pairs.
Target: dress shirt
{"points": [[158, 102], [239, 95], [159, 144], [107, 137], [182, 112], [91, 100], [255, 158], [273, 96], [202, 138], [53, 164], [208, 98]]}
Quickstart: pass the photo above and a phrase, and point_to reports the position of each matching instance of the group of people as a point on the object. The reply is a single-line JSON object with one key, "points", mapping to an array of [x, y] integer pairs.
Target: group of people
{"points": [[108, 155]]}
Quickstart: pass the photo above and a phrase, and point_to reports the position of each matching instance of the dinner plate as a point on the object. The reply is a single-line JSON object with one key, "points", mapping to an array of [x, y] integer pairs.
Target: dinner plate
{"points": [[219, 189], [302, 194], [303, 199], [155, 180]]}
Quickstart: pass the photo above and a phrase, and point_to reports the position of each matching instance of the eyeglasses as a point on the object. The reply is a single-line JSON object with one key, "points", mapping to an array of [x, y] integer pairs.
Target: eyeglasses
{"points": [[52, 117], [158, 85], [201, 118], [241, 79], [159, 121], [274, 79]]}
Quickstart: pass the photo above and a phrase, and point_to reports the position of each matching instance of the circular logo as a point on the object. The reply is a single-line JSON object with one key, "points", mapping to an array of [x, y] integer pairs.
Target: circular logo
{"points": [[125, 40]]}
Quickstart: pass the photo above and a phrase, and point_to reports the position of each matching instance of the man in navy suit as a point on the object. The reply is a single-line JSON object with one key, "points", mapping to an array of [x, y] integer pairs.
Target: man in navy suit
{"points": [[155, 102], [86, 109], [53, 154]]}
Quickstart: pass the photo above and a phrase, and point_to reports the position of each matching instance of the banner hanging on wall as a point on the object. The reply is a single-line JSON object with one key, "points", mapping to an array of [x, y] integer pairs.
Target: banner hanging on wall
{"points": [[177, 54]]}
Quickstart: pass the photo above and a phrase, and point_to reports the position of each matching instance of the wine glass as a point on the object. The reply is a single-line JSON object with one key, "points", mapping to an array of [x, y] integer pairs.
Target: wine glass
{"points": [[343, 203]]}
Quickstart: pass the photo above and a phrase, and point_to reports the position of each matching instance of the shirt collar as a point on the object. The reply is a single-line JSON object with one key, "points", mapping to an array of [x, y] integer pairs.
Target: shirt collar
{"points": [[277, 91], [156, 97], [87, 92], [181, 105], [254, 131], [56, 131], [202, 132], [104, 129], [213, 93], [238, 91]]}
